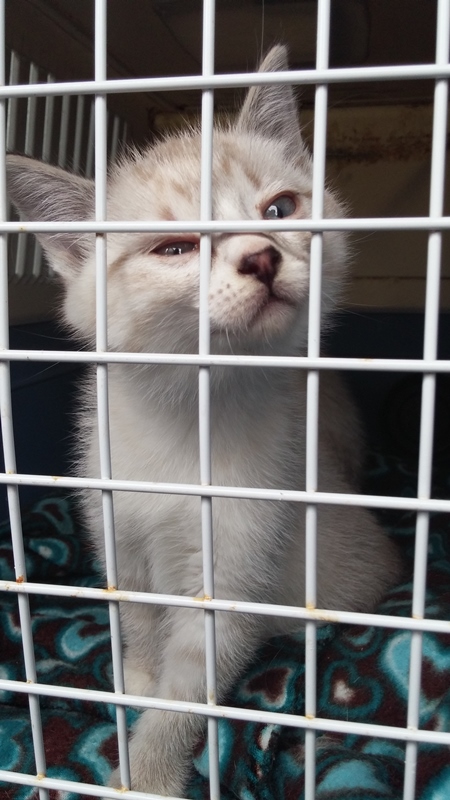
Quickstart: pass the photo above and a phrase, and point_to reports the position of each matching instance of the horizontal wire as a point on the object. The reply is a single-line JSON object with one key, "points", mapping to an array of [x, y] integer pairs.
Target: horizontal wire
{"points": [[332, 616], [232, 81], [230, 226], [237, 492], [194, 359], [230, 712], [76, 787]]}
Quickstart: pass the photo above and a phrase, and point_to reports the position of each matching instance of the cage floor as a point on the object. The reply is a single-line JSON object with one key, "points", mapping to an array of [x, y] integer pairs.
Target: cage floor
{"points": [[362, 675]]}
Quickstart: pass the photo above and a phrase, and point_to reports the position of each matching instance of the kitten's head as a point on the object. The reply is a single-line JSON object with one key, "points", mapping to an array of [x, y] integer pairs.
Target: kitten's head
{"points": [[258, 298]]}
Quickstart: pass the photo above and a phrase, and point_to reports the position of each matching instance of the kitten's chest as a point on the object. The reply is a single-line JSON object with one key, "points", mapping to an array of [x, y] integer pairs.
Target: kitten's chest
{"points": [[260, 449]]}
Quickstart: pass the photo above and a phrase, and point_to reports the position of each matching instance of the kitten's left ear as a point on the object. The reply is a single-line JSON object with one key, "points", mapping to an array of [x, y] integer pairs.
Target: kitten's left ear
{"points": [[48, 194], [271, 110]]}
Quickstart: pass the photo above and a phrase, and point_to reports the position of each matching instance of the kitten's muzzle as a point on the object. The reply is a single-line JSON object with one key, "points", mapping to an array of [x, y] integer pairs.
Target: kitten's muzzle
{"points": [[263, 265]]}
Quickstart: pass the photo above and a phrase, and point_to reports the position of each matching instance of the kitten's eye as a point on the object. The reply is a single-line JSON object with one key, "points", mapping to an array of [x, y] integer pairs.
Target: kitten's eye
{"points": [[176, 248], [282, 206]]}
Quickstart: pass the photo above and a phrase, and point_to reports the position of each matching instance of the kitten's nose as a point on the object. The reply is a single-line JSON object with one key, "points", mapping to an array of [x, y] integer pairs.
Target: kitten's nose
{"points": [[263, 265]]}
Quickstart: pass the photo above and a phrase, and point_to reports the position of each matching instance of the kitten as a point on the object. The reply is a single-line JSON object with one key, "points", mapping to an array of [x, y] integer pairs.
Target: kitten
{"points": [[258, 304]]}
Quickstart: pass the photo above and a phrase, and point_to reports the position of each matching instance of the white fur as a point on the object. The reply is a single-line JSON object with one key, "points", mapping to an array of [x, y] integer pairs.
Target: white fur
{"points": [[257, 415]]}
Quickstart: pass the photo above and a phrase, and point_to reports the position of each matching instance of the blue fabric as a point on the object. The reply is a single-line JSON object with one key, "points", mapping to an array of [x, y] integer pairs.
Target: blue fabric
{"points": [[362, 676]]}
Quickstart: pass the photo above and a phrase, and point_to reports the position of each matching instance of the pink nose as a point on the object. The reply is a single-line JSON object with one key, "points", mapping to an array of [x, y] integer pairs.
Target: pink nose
{"points": [[263, 265]]}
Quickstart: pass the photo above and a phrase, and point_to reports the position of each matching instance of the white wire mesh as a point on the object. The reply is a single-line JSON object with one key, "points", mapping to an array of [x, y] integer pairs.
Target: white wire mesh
{"points": [[204, 410], [437, 189], [10, 457], [312, 407], [45, 125], [429, 366]]}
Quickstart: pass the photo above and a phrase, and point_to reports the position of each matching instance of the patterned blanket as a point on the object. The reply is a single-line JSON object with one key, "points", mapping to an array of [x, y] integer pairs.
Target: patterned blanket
{"points": [[363, 674]]}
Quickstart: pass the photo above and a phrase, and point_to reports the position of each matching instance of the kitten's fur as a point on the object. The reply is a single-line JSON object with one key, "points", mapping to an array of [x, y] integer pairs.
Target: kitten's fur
{"points": [[258, 415]]}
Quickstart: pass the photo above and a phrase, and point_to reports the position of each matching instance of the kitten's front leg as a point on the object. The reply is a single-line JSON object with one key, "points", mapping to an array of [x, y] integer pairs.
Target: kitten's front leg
{"points": [[162, 741], [141, 627]]}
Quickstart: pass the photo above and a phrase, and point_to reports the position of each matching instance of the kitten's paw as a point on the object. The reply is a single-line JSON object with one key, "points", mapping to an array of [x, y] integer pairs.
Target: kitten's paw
{"points": [[114, 782], [144, 779], [159, 761], [114, 779]]}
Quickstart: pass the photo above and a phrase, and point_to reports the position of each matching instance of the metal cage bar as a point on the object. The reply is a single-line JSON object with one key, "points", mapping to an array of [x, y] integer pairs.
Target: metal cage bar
{"points": [[312, 389], [283, 362], [204, 397], [408, 72], [197, 490], [437, 191], [233, 226], [429, 366], [100, 156], [243, 714], [239, 607], [9, 447]]}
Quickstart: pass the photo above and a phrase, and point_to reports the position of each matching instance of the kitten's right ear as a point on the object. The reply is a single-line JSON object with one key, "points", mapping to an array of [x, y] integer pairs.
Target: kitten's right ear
{"points": [[43, 193], [271, 110]]}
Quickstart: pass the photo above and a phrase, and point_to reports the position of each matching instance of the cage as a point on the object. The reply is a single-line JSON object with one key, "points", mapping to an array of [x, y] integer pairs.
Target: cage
{"points": [[357, 704]]}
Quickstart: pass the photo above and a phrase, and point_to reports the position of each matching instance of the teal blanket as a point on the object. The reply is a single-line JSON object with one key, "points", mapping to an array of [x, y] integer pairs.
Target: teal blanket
{"points": [[362, 676]]}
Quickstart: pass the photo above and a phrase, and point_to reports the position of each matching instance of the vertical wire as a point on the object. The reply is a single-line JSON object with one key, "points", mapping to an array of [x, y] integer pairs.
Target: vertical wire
{"points": [[11, 128], [102, 382], [437, 189], [312, 389], [204, 390], [46, 153], [9, 449], [30, 130]]}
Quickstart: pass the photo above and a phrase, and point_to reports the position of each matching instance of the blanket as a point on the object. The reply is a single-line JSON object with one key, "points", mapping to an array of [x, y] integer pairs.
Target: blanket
{"points": [[362, 675]]}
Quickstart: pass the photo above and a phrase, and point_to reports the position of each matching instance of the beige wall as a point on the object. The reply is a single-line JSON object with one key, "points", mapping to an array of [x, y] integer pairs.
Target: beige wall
{"points": [[380, 162]]}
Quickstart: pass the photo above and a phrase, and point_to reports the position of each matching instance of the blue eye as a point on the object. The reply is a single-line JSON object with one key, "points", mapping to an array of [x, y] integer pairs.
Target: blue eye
{"points": [[280, 207], [176, 248]]}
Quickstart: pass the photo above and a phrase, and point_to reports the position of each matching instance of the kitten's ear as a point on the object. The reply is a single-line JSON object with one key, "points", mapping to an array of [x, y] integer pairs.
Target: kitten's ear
{"points": [[271, 110], [42, 193]]}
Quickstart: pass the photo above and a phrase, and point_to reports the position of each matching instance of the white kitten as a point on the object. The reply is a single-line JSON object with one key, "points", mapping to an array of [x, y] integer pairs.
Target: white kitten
{"points": [[258, 304]]}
